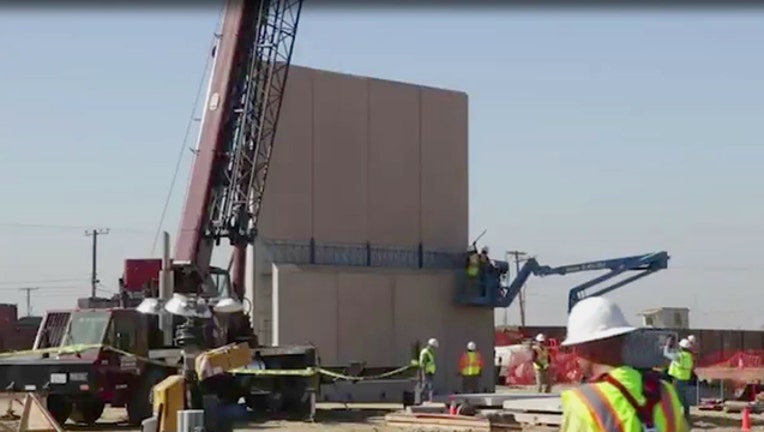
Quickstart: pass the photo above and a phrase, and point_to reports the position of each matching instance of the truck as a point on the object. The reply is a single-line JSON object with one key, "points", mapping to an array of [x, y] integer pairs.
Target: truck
{"points": [[107, 352]]}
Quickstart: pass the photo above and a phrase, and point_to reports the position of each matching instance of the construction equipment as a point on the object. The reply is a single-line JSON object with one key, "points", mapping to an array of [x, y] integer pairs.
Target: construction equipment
{"points": [[498, 291], [114, 354]]}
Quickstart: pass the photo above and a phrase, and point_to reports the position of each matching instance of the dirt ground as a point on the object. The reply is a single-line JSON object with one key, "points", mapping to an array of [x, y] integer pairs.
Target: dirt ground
{"points": [[365, 418]]}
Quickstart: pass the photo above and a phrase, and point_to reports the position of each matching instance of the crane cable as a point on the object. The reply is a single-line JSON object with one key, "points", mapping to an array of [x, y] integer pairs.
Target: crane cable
{"points": [[191, 119]]}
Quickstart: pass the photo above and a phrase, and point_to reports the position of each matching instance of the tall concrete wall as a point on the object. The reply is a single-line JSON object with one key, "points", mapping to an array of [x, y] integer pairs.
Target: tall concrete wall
{"points": [[376, 315], [362, 160]]}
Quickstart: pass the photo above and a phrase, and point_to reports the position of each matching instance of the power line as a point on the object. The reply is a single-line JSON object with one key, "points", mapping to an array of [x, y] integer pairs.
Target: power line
{"points": [[94, 270], [183, 143], [23, 225], [43, 281]]}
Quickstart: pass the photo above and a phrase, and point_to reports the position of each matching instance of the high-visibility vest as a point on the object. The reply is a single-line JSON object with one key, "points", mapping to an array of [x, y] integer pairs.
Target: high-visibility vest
{"points": [[542, 358], [427, 360], [681, 367], [601, 407], [471, 363], [473, 267]]}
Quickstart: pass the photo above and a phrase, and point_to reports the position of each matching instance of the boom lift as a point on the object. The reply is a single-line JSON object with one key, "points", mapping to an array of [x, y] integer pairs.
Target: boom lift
{"points": [[500, 292], [249, 73]]}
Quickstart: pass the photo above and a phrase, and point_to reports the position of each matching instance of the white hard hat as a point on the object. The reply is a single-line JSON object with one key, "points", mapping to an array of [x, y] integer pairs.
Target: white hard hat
{"points": [[691, 339], [471, 346], [684, 343], [540, 337], [433, 342], [595, 318], [485, 249]]}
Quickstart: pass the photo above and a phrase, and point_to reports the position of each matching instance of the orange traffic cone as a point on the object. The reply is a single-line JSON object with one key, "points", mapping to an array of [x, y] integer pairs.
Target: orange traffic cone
{"points": [[452, 409], [745, 424]]}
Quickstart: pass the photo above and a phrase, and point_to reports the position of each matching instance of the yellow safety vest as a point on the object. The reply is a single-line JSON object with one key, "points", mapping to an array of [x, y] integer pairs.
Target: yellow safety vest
{"points": [[542, 358], [473, 268], [681, 367], [470, 367], [600, 407], [427, 360]]}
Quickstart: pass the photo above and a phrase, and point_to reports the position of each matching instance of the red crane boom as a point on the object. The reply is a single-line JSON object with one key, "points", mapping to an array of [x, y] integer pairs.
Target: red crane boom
{"points": [[239, 122]]}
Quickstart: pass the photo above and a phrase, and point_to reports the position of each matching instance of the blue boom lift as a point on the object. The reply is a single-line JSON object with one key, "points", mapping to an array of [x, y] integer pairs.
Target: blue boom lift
{"points": [[498, 291]]}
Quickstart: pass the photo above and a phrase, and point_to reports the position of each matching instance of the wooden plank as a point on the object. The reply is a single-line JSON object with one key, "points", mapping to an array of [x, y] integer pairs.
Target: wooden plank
{"points": [[449, 422]]}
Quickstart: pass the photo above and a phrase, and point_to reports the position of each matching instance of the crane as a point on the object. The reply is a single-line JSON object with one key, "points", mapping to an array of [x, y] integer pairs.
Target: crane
{"points": [[246, 87], [238, 129], [500, 293]]}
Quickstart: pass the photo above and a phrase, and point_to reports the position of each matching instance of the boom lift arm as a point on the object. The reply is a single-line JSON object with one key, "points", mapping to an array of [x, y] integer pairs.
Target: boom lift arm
{"points": [[645, 265]]}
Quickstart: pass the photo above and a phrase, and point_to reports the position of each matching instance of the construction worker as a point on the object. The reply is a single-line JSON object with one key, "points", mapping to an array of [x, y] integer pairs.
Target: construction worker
{"points": [[485, 268], [470, 368], [680, 370], [618, 398], [473, 271], [427, 369], [541, 361]]}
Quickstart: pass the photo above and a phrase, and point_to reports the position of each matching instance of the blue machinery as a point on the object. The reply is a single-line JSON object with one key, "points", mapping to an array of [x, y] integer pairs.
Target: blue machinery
{"points": [[497, 291]]}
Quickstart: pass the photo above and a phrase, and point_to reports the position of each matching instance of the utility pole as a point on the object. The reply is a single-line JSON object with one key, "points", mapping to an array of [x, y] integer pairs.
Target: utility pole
{"points": [[93, 271], [519, 256], [29, 298]]}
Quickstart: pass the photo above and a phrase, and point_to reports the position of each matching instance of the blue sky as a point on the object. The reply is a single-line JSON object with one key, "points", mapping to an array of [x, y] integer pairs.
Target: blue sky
{"points": [[593, 135]]}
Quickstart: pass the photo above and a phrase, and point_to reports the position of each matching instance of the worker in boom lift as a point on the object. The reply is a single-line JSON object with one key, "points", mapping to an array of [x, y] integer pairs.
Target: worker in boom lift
{"points": [[471, 368], [473, 271], [486, 268], [680, 370], [541, 362], [618, 398], [427, 369]]}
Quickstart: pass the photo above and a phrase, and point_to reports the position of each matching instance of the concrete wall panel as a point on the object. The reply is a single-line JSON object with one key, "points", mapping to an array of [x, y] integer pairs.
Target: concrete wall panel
{"points": [[413, 320], [393, 209], [340, 157], [289, 189], [445, 215], [365, 304], [306, 305]]}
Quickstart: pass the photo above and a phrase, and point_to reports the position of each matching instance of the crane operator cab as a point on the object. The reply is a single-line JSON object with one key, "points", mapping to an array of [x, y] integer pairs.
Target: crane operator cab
{"points": [[483, 281]]}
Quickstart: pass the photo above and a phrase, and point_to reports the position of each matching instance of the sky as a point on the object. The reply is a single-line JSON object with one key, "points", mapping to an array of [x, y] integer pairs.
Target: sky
{"points": [[593, 134]]}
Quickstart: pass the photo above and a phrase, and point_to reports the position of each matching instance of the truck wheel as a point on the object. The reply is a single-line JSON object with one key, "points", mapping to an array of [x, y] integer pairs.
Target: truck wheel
{"points": [[139, 406], [59, 407], [87, 410]]}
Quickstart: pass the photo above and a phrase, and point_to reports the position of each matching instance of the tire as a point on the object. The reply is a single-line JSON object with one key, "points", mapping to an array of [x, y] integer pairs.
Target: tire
{"points": [[139, 406], [87, 410], [60, 407]]}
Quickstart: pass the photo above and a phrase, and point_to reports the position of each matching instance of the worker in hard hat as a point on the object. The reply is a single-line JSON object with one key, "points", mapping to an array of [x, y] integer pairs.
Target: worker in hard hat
{"points": [[427, 369], [473, 271], [541, 362], [618, 397], [471, 368], [680, 370], [485, 269]]}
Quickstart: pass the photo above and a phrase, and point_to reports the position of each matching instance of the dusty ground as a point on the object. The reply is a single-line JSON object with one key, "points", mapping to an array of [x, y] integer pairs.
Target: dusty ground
{"points": [[368, 418]]}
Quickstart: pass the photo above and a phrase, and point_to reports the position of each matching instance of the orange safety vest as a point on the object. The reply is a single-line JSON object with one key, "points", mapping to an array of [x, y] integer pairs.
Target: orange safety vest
{"points": [[471, 363]]}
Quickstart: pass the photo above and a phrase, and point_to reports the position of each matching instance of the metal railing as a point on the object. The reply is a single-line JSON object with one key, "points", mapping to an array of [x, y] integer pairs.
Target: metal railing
{"points": [[361, 254]]}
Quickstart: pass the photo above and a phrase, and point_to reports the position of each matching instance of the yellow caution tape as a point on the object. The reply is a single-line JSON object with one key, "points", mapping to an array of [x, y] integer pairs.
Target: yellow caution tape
{"points": [[306, 372]]}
